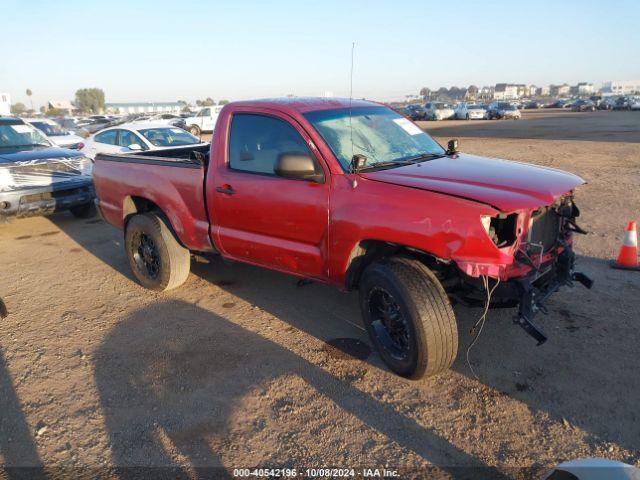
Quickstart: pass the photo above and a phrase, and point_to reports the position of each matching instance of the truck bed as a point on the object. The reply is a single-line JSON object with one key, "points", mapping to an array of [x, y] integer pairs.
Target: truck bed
{"points": [[177, 174]]}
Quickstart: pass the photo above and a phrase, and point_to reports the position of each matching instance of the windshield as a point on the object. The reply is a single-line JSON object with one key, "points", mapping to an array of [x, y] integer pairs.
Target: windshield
{"points": [[21, 135], [48, 129], [474, 107], [441, 106], [378, 133], [169, 137]]}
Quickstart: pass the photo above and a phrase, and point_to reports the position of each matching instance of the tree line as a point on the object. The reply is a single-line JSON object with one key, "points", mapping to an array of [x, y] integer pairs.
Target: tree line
{"points": [[91, 100]]}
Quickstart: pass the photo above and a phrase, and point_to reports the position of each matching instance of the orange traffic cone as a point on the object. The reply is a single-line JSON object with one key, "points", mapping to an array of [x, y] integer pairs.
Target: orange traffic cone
{"points": [[628, 256]]}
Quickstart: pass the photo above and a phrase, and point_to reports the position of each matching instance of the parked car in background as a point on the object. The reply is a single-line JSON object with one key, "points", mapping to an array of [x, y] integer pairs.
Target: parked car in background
{"points": [[58, 135], [93, 125], [166, 119], [533, 105], [583, 106], [138, 136], [558, 103], [108, 118], [503, 110], [634, 103], [71, 124], [621, 103], [439, 111], [37, 177], [470, 111], [414, 112], [204, 121], [607, 103]]}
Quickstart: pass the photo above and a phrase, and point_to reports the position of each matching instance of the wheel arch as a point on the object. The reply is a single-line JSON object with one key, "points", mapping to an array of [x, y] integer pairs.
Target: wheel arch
{"points": [[368, 251], [135, 205]]}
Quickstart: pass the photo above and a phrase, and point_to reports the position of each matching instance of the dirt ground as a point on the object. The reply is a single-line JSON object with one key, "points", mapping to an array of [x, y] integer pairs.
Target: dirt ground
{"points": [[237, 369]]}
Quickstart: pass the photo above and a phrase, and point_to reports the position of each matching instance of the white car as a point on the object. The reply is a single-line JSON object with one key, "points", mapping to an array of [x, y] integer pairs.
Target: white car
{"points": [[634, 103], [137, 137], [438, 111], [165, 118], [58, 135], [204, 121], [471, 111]]}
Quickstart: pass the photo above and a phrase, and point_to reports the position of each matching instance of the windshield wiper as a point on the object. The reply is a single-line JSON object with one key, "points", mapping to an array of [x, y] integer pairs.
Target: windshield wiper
{"points": [[423, 157], [406, 161], [396, 163]]}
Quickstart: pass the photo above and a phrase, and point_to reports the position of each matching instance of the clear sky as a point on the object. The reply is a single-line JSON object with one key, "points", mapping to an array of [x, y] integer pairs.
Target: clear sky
{"points": [[183, 49]]}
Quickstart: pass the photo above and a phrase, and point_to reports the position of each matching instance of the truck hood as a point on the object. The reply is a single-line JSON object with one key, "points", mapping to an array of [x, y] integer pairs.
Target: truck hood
{"points": [[502, 184]]}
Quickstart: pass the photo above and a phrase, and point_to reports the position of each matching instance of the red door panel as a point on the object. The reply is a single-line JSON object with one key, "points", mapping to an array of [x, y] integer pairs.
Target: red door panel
{"points": [[274, 222], [265, 219]]}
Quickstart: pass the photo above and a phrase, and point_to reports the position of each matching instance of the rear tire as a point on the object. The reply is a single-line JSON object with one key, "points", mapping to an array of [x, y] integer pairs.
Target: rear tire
{"points": [[409, 317], [156, 258], [86, 210], [194, 130]]}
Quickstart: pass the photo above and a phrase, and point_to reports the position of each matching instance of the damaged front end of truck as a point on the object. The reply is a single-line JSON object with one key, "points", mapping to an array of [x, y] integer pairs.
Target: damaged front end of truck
{"points": [[540, 244]]}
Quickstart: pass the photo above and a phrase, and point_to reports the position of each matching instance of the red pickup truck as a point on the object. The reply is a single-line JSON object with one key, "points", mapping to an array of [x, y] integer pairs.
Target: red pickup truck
{"points": [[352, 194]]}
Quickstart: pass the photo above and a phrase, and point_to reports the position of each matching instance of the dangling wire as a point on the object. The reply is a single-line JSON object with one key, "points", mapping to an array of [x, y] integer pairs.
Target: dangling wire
{"points": [[481, 320]]}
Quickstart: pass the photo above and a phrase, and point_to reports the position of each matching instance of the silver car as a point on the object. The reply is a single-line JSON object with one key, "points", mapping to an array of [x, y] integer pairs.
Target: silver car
{"points": [[439, 111]]}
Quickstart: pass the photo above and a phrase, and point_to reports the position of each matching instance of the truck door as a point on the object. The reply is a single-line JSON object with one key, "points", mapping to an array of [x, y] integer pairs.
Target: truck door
{"points": [[258, 216]]}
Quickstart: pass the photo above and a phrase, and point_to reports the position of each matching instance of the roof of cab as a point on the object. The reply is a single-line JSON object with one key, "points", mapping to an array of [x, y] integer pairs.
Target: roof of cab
{"points": [[305, 104]]}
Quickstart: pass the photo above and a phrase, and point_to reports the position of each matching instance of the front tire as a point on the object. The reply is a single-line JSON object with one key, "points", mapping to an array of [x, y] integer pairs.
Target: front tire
{"points": [[408, 317], [195, 130], [156, 258]]}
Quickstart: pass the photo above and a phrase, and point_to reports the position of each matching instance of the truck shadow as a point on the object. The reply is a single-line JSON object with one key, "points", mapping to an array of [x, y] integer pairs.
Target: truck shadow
{"points": [[171, 377], [574, 377], [584, 376]]}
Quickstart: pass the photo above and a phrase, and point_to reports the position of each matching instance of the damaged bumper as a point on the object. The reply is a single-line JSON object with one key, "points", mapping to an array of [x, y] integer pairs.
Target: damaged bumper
{"points": [[528, 292], [534, 294], [45, 200]]}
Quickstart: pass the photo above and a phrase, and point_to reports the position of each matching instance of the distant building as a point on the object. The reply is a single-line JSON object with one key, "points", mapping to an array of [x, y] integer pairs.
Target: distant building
{"points": [[621, 87], [521, 90], [559, 90], [144, 107], [472, 93], [486, 93], [543, 91], [507, 91], [64, 105], [5, 104], [582, 88]]}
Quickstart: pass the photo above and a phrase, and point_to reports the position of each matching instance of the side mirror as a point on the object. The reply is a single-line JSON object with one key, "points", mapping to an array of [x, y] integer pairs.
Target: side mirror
{"points": [[135, 147], [297, 165], [452, 146]]}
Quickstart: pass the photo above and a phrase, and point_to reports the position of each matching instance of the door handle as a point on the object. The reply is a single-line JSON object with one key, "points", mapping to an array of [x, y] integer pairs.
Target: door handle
{"points": [[228, 189]]}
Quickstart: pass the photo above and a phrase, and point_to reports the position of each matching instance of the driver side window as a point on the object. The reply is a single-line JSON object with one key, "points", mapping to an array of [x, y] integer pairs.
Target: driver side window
{"points": [[256, 141]]}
